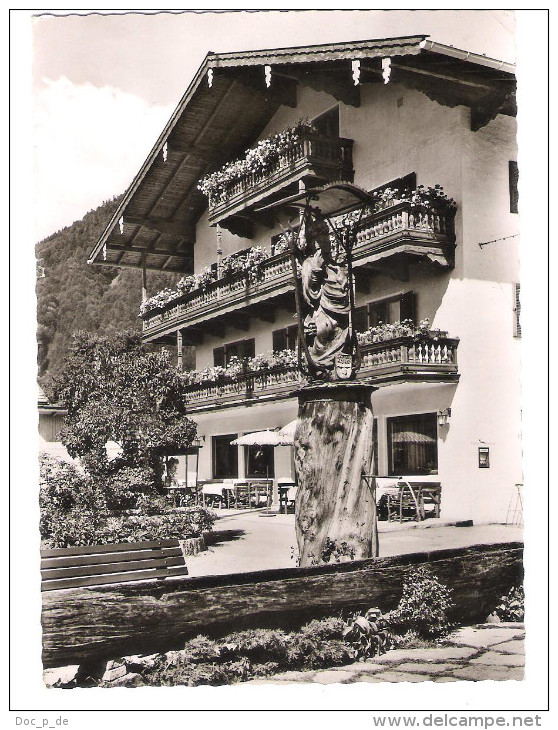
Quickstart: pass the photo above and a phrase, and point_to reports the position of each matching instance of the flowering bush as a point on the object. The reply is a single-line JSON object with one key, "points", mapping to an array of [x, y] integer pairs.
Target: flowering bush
{"points": [[236, 366], [424, 199], [259, 159], [246, 262], [405, 328]]}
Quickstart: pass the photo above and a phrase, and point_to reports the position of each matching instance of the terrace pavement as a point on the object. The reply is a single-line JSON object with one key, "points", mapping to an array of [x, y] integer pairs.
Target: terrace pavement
{"points": [[245, 541]]}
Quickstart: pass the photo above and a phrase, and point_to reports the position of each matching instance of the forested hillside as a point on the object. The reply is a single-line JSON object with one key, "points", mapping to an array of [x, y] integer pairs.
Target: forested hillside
{"points": [[74, 295]]}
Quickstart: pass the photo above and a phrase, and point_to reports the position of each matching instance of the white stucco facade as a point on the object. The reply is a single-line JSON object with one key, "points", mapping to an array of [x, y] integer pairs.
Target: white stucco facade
{"points": [[397, 131]]}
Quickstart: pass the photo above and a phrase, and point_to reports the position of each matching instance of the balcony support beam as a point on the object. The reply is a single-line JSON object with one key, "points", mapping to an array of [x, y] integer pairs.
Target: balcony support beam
{"points": [[178, 229], [341, 88], [238, 320]]}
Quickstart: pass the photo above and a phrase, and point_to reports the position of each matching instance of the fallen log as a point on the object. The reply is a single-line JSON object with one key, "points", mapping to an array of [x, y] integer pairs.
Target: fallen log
{"points": [[86, 625]]}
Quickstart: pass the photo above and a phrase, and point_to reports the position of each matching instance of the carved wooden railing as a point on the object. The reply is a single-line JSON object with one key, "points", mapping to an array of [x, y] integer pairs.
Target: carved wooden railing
{"points": [[331, 158], [271, 383], [402, 223], [393, 359], [389, 228], [405, 355], [220, 295]]}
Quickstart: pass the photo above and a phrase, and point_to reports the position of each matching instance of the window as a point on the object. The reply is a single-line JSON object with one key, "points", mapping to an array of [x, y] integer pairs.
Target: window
{"points": [[407, 182], [285, 339], [360, 322], [225, 457], [241, 349], [413, 444], [516, 311], [514, 192], [260, 461], [388, 311], [327, 124]]}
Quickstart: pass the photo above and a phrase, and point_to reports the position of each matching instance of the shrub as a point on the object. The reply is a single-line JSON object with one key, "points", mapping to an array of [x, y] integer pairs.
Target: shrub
{"points": [[76, 527], [126, 486], [423, 606], [168, 525], [71, 507], [259, 645], [512, 605]]}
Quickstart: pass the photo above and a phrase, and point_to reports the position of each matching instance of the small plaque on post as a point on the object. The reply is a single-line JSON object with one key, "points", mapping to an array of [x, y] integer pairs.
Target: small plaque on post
{"points": [[343, 366]]}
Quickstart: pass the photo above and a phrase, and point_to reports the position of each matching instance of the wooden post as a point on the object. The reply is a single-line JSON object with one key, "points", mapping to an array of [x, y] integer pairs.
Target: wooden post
{"points": [[143, 278], [335, 509], [179, 349], [219, 250]]}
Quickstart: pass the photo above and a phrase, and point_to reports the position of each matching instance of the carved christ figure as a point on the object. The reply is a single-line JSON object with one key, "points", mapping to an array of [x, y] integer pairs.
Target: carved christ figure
{"points": [[325, 289]]}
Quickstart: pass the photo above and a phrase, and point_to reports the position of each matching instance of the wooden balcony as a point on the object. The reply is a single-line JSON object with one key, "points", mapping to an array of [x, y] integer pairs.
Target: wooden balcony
{"points": [[401, 235], [403, 359], [272, 384], [388, 240], [406, 358], [225, 296], [314, 159]]}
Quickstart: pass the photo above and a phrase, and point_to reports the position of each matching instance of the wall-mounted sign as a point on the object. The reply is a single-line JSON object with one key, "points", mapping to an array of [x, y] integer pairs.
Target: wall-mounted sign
{"points": [[484, 457]]}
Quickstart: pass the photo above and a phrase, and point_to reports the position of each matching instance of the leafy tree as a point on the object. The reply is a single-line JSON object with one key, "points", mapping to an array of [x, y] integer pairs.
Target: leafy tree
{"points": [[115, 389]]}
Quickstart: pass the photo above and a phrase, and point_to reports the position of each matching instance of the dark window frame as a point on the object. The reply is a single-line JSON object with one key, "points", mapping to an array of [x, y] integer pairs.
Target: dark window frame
{"points": [[219, 473], [407, 309], [223, 353], [395, 469], [289, 337], [249, 455]]}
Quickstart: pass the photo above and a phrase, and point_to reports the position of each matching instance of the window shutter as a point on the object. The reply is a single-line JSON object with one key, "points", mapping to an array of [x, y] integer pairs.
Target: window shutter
{"points": [[408, 306], [361, 319], [250, 347], [279, 340], [219, 357], [516, 311], [514, 192], [292, 337]]}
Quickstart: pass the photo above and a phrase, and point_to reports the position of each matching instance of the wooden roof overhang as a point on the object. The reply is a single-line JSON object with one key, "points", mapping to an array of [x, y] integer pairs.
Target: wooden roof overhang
{"points": [[228, 105]]}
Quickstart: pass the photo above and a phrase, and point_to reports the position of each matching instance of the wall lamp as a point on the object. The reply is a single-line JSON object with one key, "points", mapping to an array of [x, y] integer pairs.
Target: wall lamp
{"points": [[198, 442], [443, 417]]}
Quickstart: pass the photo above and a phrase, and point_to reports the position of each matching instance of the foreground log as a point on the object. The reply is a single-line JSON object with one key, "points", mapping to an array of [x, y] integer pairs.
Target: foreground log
{"points": [[335, 508], [85, 625]]}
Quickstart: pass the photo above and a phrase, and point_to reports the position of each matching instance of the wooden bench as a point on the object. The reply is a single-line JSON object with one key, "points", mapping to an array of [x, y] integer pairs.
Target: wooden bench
{"points": [[95, 565]]}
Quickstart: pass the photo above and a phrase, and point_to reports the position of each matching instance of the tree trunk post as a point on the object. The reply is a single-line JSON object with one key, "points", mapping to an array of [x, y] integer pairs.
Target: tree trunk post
{"points": [[335, 508]]}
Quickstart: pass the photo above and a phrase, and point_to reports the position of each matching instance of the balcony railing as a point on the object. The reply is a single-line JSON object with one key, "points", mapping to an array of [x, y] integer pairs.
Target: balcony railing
{"points": [[313, 155], [268, 384], [402, 229], [224, 295], [407, 357], [399, 359], [395, 231]]}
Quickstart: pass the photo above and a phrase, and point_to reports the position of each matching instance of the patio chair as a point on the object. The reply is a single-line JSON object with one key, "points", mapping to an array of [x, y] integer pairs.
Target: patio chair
{"points": [[403, 504]]}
